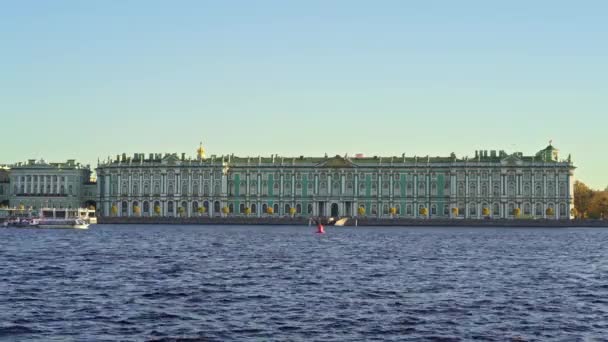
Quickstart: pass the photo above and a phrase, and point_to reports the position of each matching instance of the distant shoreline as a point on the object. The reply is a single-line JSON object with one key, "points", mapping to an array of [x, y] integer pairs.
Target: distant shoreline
{"points": [[397, 222]]}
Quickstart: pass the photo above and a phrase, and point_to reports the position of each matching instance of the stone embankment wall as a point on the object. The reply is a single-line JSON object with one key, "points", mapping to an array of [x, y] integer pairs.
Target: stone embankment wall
{"points": [[352, 222]]}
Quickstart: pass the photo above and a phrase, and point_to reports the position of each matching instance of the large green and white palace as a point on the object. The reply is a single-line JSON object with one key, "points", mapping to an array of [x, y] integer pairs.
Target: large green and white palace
{"points": [[490, 184]]}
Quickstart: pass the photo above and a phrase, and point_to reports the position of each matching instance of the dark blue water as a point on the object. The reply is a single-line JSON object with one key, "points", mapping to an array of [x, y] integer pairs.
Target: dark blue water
{"points": [[288, 284]]}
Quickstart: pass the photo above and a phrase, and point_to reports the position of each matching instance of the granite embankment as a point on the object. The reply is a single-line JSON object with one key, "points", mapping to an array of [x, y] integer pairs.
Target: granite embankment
{"points": [[239, 220]]}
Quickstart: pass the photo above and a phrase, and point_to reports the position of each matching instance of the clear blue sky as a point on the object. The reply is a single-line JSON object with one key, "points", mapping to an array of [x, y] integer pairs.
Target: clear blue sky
{"points": [[88, 79]]}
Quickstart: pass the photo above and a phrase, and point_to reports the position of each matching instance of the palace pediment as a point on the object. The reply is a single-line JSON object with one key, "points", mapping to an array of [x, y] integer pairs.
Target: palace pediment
{"points": [[336, 162], [170, 159], [511, 160]]}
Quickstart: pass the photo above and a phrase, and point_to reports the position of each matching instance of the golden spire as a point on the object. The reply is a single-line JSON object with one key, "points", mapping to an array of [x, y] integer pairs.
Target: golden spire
{"points": [[200, 151]]}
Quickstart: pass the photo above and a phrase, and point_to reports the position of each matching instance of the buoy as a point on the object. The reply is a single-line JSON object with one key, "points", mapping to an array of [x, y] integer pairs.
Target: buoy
{"points": [[320, 229]]}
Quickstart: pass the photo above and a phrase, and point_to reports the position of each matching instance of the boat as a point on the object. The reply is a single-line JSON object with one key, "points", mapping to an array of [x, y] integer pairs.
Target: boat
{"points": [[75, 223]]}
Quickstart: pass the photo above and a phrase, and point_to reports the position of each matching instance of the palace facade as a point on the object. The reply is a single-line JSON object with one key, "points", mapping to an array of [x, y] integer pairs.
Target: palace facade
{"points": [[491, 184]]}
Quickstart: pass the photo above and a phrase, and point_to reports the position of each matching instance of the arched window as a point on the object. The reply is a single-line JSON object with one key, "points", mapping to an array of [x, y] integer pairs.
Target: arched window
{"points": [[63, 189], [195, 188], [157, 188], [496, 210], [146, 207], [206, 206], [195, 207], [511, 208], [170, 189], [298, 208], [134, 205], [562, 190], [385, 209], [185, 189], [264, 208], [472, 209], [185, 206], [433, 188], [562, 210], [135, 192], [496, 190], [287, 208], [511, 188], [276, 208], [473, 189], [374, 209], [124, 208], [170, 208], [538, 209], [242, 208], [309, 208], [146, 188], [336, 187], [408, 209], [254, 208], [527, 209], [421, 188], [434, 209]]}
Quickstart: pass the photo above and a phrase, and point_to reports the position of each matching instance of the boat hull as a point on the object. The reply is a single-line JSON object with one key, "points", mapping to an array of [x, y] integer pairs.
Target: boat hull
{"points": [[64, 226]]}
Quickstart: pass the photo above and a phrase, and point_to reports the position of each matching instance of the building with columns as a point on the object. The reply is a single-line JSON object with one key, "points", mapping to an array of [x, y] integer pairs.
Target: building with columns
{"points": [[4, 186], [490, 185], [38, 184]]}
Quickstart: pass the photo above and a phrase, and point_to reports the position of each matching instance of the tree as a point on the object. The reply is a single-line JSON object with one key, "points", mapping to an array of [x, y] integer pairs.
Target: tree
{"points": [[598, 209], [292, 212], [582, 198], [114, 210], [201, 210], [21, 207], [573, 212], [270, 210], [225, 210], [247, 211], [424, 211], [550, 212], [181, 211], [393, 211], [516, 212], [136, 210], [157, 209], [361, 211], [455, 212], [485, 212]]}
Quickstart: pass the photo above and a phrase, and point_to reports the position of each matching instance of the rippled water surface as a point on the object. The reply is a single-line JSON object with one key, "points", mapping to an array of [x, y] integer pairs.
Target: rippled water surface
{"points": [[220, 283]]}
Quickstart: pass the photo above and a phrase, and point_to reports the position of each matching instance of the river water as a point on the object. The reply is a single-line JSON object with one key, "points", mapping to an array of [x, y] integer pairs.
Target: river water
{"points": [[267, 283]]}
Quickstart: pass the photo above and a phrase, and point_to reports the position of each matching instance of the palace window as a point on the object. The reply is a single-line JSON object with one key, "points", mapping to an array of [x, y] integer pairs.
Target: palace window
{"points": [[254, 208], [562, 210], [309, 208], [496, 210], [195, 188], [408, 209], [527, 209], [421, 189], [146, 207]]}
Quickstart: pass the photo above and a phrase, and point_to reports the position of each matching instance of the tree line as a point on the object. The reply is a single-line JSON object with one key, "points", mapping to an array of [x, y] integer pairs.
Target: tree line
{"points": [[589, 203]]}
